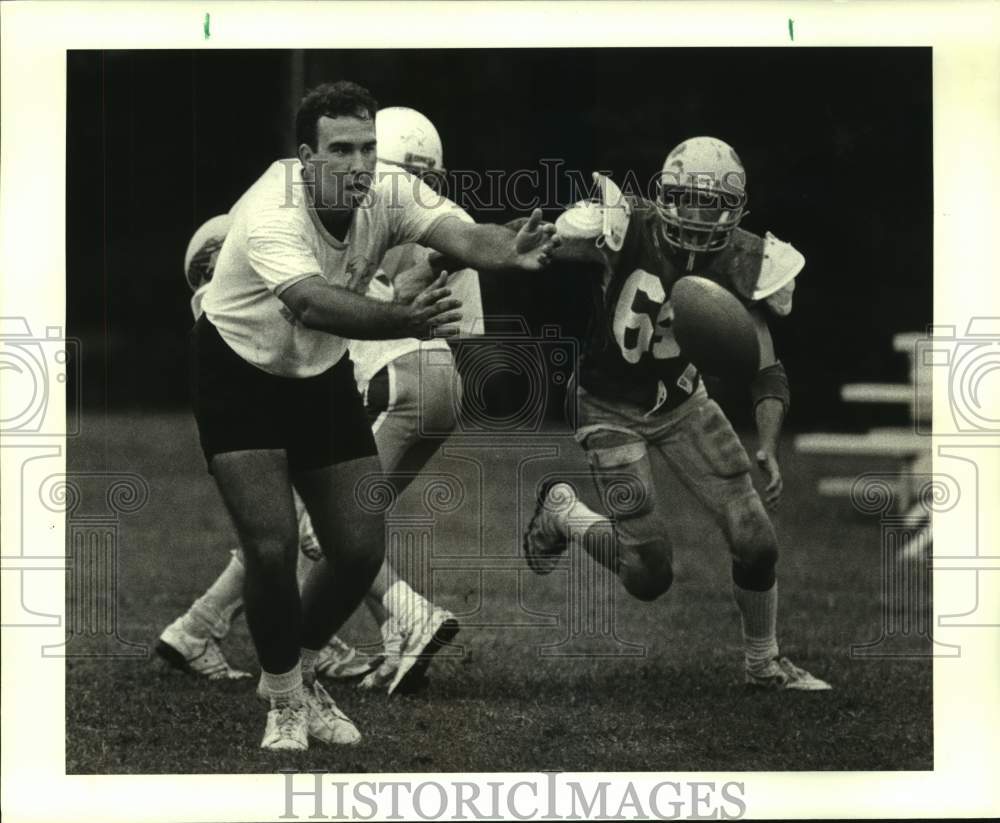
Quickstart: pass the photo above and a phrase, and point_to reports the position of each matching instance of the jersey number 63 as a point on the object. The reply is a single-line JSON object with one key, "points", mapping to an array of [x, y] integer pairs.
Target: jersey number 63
{"points": [[643, 319]]}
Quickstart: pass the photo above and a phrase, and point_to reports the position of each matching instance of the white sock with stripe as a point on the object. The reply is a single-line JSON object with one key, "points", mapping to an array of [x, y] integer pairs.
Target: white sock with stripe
{"points": [[281, 688], [570, 513], [759, 612]]}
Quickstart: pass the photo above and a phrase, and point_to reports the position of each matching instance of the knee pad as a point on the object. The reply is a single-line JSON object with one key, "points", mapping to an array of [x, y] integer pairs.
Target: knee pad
{"points": [[648, 582], [646, 568], [751, 535]]}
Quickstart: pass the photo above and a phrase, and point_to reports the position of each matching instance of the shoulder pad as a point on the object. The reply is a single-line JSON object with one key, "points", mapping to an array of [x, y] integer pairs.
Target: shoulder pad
{"points": [[781, 301], [581, 221], [604, 220], [615, 212], [781, 263], [578, 228]]}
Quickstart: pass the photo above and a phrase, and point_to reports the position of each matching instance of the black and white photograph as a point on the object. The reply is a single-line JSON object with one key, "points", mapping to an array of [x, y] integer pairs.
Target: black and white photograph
{"points": [[554, 411]]}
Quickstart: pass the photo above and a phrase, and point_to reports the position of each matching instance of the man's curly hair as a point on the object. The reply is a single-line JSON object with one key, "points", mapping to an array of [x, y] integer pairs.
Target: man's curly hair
{"points": [[339, 99]]}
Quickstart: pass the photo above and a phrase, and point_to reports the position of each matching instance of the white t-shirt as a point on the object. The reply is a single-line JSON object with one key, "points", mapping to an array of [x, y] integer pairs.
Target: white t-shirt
{"points": [[276, 241]]}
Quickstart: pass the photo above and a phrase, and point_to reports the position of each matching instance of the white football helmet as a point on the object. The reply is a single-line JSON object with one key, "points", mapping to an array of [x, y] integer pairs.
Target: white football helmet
{"points": [[702, 195], [203, 250], [409, 140]]}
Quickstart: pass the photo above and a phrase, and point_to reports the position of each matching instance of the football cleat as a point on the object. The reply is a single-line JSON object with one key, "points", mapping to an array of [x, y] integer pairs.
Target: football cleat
{"points": [[287, 727], [544, 540], [326, 721], [200, 656], [339, 661], [422, 641], [393, 640], [780, 673]]}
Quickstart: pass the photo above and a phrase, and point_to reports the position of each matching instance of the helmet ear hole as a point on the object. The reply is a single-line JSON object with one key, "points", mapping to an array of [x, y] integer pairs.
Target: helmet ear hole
{"points": [[409, 139]]}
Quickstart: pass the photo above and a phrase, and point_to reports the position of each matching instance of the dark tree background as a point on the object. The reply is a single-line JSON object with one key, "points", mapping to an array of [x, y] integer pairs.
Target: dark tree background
{"points": [[837, 145]]}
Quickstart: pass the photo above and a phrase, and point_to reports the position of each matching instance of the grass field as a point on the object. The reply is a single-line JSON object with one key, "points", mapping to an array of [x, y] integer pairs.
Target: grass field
{"points": [[497, 702]]}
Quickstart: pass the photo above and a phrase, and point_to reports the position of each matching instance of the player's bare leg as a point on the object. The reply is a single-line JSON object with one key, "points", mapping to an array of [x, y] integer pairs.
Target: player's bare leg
{"points": [[337, 659], [418, 627], [257, 491], [352, 540]]}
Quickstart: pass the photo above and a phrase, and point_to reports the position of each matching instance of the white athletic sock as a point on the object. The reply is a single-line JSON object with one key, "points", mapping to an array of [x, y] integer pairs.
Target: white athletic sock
{"points": [[281, 688], [404, 603], [569, 512], [210, 614], [759, 611], [307, 660]]}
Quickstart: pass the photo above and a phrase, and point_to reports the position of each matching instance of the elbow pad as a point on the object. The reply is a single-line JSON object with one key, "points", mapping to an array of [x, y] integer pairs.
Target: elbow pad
{"points": [[771, 381]]}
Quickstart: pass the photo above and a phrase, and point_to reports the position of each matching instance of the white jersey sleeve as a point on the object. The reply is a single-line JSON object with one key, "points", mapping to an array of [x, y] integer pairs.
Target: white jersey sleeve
{"points": [[278, 251]]}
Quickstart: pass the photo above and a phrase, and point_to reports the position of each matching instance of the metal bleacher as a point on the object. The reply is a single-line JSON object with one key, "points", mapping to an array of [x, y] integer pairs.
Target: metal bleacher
{"points": [[901, 446]]}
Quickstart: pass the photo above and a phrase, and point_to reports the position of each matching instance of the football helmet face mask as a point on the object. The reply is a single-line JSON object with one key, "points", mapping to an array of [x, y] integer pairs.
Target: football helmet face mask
{"points": [[408, 140], [702, 195]]}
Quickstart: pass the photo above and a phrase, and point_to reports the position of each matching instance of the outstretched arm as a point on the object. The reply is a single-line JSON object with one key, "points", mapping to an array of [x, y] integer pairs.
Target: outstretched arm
{"points": [[488, 246], [770, 399]]}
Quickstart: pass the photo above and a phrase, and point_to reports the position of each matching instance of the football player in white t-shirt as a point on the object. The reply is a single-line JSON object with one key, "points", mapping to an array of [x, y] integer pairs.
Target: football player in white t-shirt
{"points": [[273, 387], [410, 387]]}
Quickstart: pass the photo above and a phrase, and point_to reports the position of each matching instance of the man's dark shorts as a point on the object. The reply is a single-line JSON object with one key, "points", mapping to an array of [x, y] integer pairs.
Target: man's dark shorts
{"points": [[318, 421]]}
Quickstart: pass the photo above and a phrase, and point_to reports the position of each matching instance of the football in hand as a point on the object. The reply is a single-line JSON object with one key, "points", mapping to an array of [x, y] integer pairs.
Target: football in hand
{"points": [[714, 330]]}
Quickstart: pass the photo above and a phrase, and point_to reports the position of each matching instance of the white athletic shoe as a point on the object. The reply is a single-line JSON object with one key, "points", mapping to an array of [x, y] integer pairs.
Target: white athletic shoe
{"points": [[200, 656], [424, 638], [339, 661], [780, 673], [327, 722], [544, 540], [287, 727], [393, 640]]}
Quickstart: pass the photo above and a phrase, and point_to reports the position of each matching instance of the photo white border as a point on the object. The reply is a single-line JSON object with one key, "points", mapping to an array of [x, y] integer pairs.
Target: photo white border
{"points": [[966, 70]]}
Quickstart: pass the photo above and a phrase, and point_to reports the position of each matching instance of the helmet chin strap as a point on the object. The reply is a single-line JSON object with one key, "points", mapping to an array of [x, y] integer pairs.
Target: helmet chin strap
{"points": [[690, 263]]}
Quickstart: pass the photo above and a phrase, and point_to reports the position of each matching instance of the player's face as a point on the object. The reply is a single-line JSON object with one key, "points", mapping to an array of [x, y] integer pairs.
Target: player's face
{"points": [[343, 163]]}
